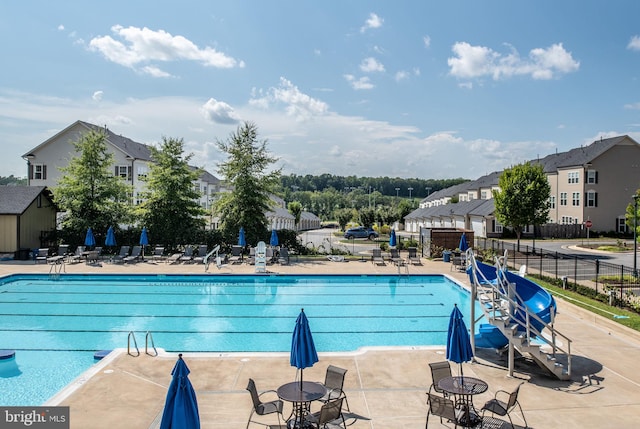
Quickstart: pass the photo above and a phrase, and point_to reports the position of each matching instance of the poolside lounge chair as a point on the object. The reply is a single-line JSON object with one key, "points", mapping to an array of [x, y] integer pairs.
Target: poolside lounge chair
{"points": [[187, 256], [43, 255], [252, 256], [444, 407], [124, 252], [263, 408], [334, 382], [261, 257], [283, 257], [439, 370], [135, 256], [92, 256], [413, 256], [174, 258], [158, 253], [335, 258], [395, 257], [376, 257], [270, 255], [504, 407], [202, 252], [458, 263], [329, 416], [60, 256], [236, 254], [77, 256]]}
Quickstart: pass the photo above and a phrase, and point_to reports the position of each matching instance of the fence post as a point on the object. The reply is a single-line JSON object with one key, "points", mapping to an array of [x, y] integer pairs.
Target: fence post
{"points": [[597, 273], [575, 269], [556, 265]]}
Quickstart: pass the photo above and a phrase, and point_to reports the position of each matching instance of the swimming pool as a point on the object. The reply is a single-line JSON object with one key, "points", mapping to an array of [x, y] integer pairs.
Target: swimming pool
{"points": [[55, 324]]}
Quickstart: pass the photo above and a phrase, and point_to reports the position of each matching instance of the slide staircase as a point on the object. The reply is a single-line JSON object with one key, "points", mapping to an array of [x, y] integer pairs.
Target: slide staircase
{"points": [[520, 315]]}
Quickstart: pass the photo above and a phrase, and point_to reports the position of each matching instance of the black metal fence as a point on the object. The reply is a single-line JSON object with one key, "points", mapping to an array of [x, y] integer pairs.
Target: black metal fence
{"points": [[617, 283]]}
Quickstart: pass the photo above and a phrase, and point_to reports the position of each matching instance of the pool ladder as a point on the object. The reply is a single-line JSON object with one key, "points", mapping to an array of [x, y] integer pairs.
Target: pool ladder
{"points": [[148, 338]]}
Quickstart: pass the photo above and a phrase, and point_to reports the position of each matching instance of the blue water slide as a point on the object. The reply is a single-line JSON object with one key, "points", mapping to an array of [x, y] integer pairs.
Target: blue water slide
{"points": [[530, 294]]}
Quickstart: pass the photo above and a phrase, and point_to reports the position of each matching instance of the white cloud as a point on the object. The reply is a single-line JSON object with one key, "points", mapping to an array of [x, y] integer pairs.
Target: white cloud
{"points": [[97, 96], [362, 83], [374, 21], [401, 75], [480, 61], [634, 43], [133, 47], [61, 27], [370, 64], [296, 104], [633, 106], [219, 112], [427, 41]]}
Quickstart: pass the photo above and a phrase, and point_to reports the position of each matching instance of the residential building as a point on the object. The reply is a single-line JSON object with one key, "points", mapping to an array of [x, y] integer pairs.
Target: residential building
{"points": [[590, 183]]}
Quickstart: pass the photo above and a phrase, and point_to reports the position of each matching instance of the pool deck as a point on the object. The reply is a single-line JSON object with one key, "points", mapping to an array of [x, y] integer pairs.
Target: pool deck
{"points": [[385, 387]]}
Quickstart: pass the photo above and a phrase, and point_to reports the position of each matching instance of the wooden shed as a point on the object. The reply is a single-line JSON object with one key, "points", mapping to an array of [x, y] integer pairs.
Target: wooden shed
{"points": [[27, 215], [436, 240]]}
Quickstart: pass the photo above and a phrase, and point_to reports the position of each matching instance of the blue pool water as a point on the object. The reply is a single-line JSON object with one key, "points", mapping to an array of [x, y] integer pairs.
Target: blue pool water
{"points": [[56, 324]]}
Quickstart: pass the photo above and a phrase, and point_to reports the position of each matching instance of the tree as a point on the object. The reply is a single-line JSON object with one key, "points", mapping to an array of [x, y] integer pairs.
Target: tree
{"points": [[88, 191], [295, 208], [171, 211], [367, 217], [523, 198], [631, 216], [343, 217], [246, 173]]}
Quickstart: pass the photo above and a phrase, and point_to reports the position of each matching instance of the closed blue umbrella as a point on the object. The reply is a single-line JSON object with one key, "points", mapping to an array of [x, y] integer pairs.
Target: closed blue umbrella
{"points": [[181, 405], [242, 241], [392, 239], [458, 341], [303, 350], [274, 238], [144, 239], [110, 240], [463, 243], [89, 239]]}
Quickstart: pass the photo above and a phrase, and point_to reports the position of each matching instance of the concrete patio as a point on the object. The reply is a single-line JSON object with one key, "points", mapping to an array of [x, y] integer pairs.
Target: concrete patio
{"points": [[385, 387]]}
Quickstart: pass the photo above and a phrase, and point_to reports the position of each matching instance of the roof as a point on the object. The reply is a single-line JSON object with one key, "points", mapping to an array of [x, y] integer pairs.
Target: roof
{"points": [[14, 200]]}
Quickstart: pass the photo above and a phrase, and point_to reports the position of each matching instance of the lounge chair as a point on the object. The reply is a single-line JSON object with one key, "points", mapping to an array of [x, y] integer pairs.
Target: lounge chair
{"points": [[252, 256], [236, 254], [261, 257], [395, 257], [439, 370], [201, 252], [283, 257], [174, 258], [187, 256], [329, 416], [124, 252], [263, 408], [334, 382], [270, 255], [158, 254], [60, 256], [458, 263], [335, 258], [92, 256], [413, 256], [504, 407], [376, 257], [43, 255], [444, 407], [78, 255], [136, 254]]}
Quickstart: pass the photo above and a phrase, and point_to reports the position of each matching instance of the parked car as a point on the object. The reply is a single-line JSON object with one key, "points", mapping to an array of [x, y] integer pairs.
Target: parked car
{"points": [[360, 232]]}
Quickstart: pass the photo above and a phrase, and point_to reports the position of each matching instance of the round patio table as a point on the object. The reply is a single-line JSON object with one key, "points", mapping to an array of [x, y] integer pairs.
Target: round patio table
{"points": [[463, 388], [301, 399]]}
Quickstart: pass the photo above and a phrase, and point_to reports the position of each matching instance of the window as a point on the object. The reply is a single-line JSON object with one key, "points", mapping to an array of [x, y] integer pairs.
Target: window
{"points": [[142, 172], [563, 198], [568, 220], [483, 195], [621, 224], [591, 199], [470, 196], [575, 200], [196, 187], [39, 172], [574, 177], [123, 171], [592, 177], [497, 226], [552, 202]]}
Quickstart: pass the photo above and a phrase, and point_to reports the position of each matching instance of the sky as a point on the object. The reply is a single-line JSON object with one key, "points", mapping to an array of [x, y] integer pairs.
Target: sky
{"points": [[411, 89]]}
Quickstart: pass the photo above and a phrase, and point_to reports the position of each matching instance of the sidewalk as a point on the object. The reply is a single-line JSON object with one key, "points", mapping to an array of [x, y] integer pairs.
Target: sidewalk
{"points": [[385, 387]]}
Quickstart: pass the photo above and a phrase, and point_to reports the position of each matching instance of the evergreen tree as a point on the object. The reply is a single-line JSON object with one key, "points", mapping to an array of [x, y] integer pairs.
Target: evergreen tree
{"points": [[295, 208], [523, 198], [171, 211], [89, 192], [247, 173]]}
